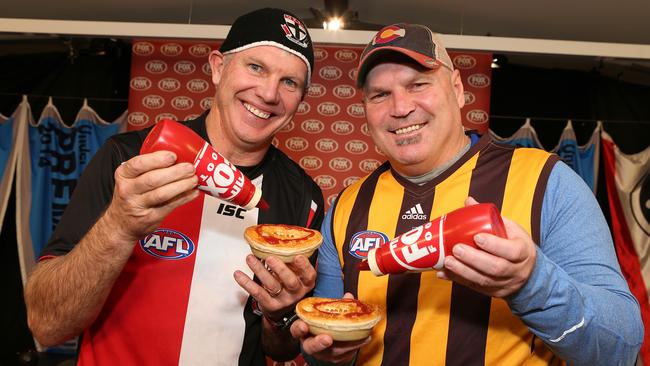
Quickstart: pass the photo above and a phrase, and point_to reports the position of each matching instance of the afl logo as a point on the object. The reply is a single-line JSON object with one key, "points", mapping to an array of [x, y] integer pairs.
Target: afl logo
{"points": [[199, 50], [340, 164], [138, 119], [320, 54], [356, 110], [363, 241], [288, 127], [328, 109], [316, 90], [206, 69], [356, 147], [169, 84], [311, 162], [143, 48], [303, 108], [140, 83], [469, 97], [153, 101], [171, 49], [345, 55], [350, 181], [464, 61], [325, 181], [369, 165], [477, 116], [479, 80], [206, 103], [296, 144], [166, 116], [327, 145], [312, 126], [182, 102], [155, 66], [197, 85], [167, 244], [344, 91], [330, 72], [184, 67], [342, 127]]}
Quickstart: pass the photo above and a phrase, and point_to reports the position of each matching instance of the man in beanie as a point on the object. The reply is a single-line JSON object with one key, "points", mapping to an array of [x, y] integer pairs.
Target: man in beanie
{"points": [[98, 276], [553, 290]]}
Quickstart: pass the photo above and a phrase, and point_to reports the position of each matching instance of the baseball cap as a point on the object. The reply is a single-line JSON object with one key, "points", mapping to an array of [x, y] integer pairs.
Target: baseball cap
{"points": [[413, 40], [271, 27]]}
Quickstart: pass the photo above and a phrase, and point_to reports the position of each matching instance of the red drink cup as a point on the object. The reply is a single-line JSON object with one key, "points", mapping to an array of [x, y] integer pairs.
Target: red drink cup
{"points": [[425, 247], [217, 176]]}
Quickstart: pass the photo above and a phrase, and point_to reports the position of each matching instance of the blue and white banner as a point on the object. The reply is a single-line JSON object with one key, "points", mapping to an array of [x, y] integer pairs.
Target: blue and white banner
{"points": [[583, 159], [48, 173]]}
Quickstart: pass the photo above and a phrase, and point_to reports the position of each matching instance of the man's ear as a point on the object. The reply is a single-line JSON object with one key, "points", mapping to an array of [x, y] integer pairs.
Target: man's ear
{"points": [[459, 90], [216, 60]]}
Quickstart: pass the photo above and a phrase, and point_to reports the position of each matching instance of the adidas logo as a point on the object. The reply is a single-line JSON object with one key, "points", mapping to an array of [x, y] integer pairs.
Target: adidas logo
{"points": [[414, 213]]}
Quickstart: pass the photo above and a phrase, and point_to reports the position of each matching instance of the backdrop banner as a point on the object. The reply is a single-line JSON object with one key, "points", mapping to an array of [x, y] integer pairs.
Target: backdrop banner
{"points": [[628, 191], [582, 158], [328, 137]]}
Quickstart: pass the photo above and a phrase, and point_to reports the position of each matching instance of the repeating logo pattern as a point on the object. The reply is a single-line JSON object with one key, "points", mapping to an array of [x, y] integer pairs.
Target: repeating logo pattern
{"points": [[329, 136]]}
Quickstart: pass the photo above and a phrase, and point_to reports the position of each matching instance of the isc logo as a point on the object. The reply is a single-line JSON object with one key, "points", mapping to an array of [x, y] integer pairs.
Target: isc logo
{"points": [[230, 210], [167, 244], [363, 241]]}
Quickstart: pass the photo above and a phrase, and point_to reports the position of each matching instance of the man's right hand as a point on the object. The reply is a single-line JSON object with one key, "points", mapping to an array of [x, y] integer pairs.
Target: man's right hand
{"points": [[322, 347], [147, 188]]}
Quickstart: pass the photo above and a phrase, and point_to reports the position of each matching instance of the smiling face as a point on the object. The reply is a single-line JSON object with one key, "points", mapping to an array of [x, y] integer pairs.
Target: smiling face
{"points": [[413, 114], [258, 91]]}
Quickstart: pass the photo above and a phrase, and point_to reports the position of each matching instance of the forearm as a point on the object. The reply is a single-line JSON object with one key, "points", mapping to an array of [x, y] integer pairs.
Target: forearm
{"points": [[278, 343], [65, 294]]}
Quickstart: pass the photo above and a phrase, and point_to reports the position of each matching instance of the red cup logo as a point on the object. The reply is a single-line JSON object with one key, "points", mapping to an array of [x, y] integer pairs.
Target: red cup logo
{"points": [[169, 84], [342, 127], [155, 66], [464, 62], [479, 80], [296, 144], [171, 49], [327, 145], [316, 90], [340, 164], [199, 50], [182, 102], [184, 67], [369, 165], [477, 116], [197, 85], [344, 91], [143, 48], [312, 126], [356, 147], [320, 54], [330, 72], [140, 83], [153, 101], [310, 162], [219, 178], [328, 109], [356, 110], [138, 119], [325, 181], [345, 55]]}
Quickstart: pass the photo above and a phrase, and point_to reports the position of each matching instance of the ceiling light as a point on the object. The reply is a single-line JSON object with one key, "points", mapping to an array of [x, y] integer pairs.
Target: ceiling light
{"points": [[333, 24]]}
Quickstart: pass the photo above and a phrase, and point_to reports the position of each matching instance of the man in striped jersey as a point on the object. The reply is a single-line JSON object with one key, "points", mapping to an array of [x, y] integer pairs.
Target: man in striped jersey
{"points": [[551, 293]]}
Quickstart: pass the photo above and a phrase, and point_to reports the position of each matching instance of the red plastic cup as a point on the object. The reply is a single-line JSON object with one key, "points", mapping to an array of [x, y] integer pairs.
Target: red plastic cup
{"points": [[217, 176], [425, 247]]}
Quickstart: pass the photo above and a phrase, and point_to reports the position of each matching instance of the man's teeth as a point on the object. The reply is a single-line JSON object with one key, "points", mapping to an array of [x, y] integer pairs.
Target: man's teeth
{"points": [[256, 111], [409, 129]]}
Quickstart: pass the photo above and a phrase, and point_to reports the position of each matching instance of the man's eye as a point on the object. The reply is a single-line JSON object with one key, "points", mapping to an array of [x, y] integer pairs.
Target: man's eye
{"points": [[290, 83], [378, 96], [255, 67]]}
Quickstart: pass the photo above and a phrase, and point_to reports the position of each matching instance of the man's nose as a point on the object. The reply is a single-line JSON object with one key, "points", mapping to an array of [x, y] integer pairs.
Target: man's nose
{"points": [[268, 91], [402, 104]]}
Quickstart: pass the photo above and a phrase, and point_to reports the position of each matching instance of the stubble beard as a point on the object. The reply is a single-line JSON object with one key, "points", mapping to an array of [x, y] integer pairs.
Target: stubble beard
{"points": [[409, 140]]}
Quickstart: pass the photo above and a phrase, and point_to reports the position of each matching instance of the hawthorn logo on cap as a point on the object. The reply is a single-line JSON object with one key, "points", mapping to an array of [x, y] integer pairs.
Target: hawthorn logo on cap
{"points": [[295, 30], [388, 34]]}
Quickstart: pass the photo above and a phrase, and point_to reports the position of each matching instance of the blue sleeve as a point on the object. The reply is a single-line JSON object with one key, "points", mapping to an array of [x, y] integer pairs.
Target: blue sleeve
{"points": [[329, 281], [576, 299]]}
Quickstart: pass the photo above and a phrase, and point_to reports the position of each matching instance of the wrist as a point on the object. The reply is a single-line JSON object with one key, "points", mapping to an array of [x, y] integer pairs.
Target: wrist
{"points": [[283, 322]]}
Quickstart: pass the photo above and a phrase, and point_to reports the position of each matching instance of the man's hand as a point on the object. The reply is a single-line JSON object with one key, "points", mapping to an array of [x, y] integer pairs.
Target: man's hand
{"points": [[282, 285], [147, 188], [499, 268], [322, 347]]}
